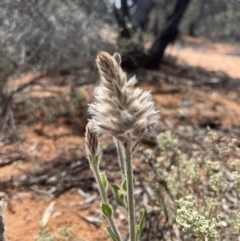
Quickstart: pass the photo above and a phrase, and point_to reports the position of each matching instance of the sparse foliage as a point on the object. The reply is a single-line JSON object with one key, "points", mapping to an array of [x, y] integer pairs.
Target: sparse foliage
{"points": [[50, 37], [63, 234], [197, 190]]}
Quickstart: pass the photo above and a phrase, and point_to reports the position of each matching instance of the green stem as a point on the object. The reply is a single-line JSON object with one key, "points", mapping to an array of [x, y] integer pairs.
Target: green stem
{"points": [[130, 197], [120, 156], [100, 184], [96, 172]]}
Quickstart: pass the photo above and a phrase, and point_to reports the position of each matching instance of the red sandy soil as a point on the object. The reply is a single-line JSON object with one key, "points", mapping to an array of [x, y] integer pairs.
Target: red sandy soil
{"points": [[26, 208], [210, 56]]}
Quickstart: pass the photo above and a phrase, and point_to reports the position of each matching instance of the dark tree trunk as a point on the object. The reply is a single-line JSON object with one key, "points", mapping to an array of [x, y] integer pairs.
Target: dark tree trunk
{"points": [[125, 31], [168, 35], [140, 17], [124, 8], [155, 29]]}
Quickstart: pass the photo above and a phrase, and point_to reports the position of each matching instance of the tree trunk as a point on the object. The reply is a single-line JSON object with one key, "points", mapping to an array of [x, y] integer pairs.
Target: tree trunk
{"points": [[140, 16], [124, 32], [168, 35], [138, 20], [124, 8]]}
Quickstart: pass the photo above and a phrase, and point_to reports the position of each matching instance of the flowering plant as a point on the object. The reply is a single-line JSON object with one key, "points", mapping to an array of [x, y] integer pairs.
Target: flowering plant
{"points": [[125, 113]]}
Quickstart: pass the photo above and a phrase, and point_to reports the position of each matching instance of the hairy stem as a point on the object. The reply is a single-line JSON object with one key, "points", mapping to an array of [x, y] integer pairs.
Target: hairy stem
{"points": [[130, 197], [100, 184], [102, 190], [120, 156]]}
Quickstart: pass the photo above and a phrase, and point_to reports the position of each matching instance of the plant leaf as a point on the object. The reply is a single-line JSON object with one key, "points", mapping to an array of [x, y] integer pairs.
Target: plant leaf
{"points": [[107, 210], [111, 233], [141, 222], [104, 179], [119, 196], [124, 185]]}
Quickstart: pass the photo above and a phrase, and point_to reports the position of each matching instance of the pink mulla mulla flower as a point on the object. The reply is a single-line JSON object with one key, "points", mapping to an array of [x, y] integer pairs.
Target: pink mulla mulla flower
{"points": [[120, 109]]}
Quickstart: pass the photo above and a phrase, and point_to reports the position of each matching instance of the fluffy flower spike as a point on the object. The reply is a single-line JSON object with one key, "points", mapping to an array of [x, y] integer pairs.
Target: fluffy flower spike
{"points": [[91, 140], [120, 109]]}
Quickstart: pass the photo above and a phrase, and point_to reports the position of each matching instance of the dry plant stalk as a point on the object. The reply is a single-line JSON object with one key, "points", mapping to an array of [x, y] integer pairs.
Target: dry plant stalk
{"points": [[125, 113], [3, 205]]}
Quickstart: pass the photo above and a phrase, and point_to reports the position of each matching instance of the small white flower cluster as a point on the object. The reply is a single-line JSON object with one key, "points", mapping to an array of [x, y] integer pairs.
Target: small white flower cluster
{"points": [[192, 221]]}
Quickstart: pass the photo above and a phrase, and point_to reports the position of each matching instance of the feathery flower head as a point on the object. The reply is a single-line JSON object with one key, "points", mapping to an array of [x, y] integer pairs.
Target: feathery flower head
{"points": [[120, 109], [91, 141]]}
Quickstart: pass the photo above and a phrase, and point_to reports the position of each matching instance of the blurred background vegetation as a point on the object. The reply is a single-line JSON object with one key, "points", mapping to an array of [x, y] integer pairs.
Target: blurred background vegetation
{"points": [[50, 37]]}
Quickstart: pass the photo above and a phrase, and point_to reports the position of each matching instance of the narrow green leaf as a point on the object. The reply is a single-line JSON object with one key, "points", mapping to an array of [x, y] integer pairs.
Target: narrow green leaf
{"points": [[119, 196], [141, 223], [111, 233], [107, 210], [142, 219], [124, 185], [104, 179], [115, 187]]}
